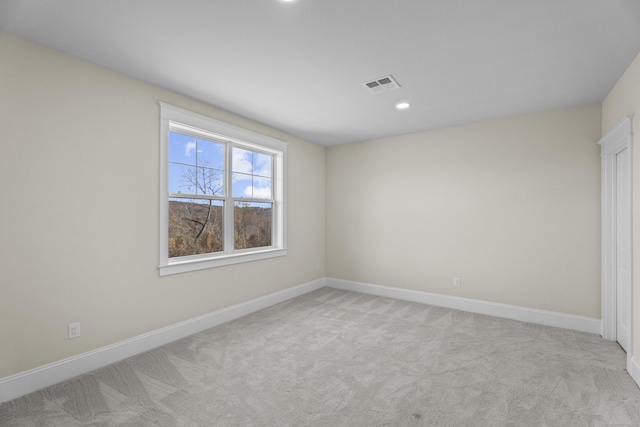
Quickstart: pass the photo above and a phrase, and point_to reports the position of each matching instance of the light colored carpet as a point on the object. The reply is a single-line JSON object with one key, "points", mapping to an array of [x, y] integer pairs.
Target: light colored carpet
{"points": [[335, 358]]}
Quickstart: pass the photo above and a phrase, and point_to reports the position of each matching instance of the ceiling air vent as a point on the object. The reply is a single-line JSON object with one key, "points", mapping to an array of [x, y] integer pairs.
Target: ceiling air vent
{"points": [[381, 84]]}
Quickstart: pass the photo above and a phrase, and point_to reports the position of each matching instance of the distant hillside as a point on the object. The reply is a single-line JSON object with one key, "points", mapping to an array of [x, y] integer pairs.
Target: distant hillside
{"points": [[196, 227]]}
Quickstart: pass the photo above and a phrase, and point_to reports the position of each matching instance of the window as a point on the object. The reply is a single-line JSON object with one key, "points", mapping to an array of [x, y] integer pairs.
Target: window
{"points": [[222, 193]]}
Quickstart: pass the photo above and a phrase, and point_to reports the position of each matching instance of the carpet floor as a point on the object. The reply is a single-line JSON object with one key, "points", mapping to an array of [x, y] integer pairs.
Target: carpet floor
{"points": [[336, 358]]}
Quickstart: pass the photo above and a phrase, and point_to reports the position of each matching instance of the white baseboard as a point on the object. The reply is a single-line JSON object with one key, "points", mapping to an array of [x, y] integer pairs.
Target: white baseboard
{"points": [[540, 317], [35, 379]]}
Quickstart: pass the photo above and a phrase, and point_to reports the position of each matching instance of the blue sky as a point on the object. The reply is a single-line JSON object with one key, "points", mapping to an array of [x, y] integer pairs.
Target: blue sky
{"points": [[203, 161]]}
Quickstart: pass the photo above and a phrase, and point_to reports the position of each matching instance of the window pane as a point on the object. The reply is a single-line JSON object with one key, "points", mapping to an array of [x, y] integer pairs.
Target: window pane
{"points": [[262, 164], [210, 154], [241, 185], [261, 188], [252, 174], [182, 179], [242, 160], [195, 180], [195, 226], [252, 187], [182, 148], [252, 225]]}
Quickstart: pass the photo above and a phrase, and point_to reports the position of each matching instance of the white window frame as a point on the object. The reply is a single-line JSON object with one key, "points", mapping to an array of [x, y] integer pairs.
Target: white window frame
{"points": [[232, 136]]}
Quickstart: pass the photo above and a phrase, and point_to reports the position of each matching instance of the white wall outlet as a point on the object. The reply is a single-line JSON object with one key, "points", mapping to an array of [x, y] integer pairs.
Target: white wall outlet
{"points": [[74, 330], [317, 268], [456, 281]]}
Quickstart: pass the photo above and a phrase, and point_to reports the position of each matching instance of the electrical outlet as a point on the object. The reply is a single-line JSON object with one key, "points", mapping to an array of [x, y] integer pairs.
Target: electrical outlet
{"points": [[74, 330], [456, 281], [317, 268]]}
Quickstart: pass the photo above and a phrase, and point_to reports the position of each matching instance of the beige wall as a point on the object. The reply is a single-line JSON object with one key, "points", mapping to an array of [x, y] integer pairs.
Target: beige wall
{"points": [[624, 100], [511, 206], [79, 171]]}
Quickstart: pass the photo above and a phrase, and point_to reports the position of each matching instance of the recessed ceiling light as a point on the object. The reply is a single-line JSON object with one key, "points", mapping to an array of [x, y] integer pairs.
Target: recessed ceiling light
{"points": [[402, 105]]}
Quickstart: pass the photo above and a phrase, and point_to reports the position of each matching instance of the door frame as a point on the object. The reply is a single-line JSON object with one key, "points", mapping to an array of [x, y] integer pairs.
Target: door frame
{"points": [[618, 139]]}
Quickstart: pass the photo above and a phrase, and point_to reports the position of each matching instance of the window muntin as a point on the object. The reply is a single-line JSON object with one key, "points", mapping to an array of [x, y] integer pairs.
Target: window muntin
{"points": [[223, 193]]}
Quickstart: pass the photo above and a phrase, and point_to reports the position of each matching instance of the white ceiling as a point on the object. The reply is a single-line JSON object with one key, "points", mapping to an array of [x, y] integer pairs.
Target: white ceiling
{"points": [[299, 66]]}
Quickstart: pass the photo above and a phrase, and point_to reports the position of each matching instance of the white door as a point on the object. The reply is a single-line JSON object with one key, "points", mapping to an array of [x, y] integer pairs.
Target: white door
{"points": [[616, 148], [623, 248]]}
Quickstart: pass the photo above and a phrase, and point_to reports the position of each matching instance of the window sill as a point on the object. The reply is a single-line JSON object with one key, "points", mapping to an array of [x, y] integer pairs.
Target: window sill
{"points": [[184, 266]]}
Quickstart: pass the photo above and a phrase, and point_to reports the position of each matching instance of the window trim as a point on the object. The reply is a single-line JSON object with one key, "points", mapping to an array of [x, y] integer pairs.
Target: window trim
{"points": [[233, 136]]}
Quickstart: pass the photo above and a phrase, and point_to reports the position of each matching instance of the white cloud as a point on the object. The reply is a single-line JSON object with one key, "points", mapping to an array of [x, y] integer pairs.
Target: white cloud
{"points": [[189, 148], [241, 161], [257, 193]]}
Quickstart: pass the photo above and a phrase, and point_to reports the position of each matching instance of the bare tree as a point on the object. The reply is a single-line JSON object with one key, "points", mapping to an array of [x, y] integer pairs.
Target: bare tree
{"points": [[205, 233], [205, 181], [196, 225]]}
